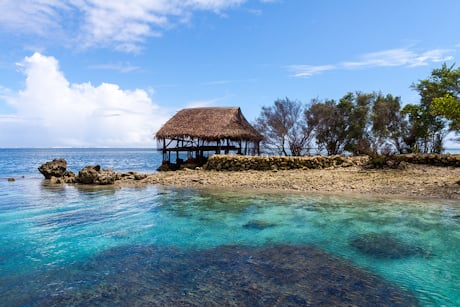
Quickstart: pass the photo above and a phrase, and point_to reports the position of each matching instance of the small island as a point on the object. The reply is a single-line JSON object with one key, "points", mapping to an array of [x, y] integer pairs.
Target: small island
{"points": [[416, 176]]}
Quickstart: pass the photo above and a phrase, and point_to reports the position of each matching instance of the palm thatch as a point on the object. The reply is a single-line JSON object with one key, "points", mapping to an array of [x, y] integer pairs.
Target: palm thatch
{"points": [[209, 124], [200, 131]]}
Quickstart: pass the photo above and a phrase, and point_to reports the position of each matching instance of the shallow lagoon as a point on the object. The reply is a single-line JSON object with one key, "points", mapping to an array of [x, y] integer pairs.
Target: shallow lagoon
{"points": [[142, 246], [153, 245]]}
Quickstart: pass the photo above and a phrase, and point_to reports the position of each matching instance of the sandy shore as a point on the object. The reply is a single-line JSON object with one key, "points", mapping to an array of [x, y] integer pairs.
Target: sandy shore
{"points": [[416, 181]]}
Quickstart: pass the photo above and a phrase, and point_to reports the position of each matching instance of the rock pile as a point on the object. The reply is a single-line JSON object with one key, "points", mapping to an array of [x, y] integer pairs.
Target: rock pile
{"points": [[243, 163], [56, 172]]}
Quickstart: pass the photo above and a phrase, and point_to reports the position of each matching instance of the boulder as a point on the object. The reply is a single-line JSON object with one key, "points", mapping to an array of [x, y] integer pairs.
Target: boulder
{"points": [[138, 176], [93, 174], [88, 174], [69, 177], [55, 168], [106, 176]]}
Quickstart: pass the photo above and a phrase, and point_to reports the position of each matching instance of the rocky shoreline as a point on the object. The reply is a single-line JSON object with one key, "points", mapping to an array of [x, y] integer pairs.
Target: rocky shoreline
{"points": [[418, 181], [415, 181]]}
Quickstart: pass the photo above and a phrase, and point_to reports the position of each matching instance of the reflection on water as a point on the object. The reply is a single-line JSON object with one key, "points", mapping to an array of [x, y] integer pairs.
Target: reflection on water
{"points": [[76, 246]]}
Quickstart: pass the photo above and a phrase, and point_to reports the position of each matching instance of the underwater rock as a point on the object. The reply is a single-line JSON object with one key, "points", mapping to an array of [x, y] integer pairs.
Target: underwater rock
{"points": [[281, 275], [384, 245], [258, 224]]}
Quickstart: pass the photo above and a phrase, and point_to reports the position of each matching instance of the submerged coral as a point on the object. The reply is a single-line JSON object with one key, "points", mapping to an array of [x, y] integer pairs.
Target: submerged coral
{"points": [[281, 275], [385, 245]]}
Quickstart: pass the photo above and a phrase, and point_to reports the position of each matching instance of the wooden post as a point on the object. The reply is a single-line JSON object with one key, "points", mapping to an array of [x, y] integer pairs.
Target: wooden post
{"points": [[164, 149]]}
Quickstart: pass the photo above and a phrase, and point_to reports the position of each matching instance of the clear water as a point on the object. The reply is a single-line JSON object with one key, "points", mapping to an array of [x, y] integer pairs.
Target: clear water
{"points": [[67, 245]]}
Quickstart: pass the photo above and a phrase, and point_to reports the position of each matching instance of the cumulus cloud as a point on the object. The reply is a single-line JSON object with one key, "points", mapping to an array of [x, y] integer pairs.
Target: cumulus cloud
{"points": [[123, 25], [51, 111], [386, 58]]}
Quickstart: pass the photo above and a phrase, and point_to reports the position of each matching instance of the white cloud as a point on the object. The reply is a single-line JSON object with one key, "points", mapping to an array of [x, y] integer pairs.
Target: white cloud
{"points": [[215, 5], [401, 57], [4, 92], [32, 16], [305, 71], [51, 111], [230, 81], [124, 25], [205, 103], [120, 67]]}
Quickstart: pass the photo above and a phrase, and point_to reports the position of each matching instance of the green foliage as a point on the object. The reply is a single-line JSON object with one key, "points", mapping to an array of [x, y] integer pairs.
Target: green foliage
{"points": [[360, 123], [367, 123], [428, 120], [357, 116], [449, 108], [328, 125], [389, 127]]}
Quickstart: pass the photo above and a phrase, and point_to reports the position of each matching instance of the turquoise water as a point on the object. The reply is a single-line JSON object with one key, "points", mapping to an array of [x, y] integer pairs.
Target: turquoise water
{"points": [[67, 245]]}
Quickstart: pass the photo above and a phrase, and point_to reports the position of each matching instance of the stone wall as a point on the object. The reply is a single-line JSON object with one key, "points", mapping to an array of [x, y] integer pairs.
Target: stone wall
{"points": [[431, 159], [240, 163]]}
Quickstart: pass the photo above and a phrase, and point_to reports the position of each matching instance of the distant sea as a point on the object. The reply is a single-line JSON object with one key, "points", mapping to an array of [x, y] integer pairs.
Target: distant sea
{"points": [[25, 161], [70, 245], [454, 151]]}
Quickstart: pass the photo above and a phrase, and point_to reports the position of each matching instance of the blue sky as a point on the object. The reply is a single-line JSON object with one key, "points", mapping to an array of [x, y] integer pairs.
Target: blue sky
{"points": [[92, 73]]}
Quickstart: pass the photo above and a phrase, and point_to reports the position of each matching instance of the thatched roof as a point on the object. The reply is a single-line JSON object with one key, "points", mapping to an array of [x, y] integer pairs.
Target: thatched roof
{"points": [[210, 124]]}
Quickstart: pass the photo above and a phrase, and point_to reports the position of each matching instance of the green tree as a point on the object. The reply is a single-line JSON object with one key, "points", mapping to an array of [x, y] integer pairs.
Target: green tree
{"points": [[360, 123], [328, 126], [284, 128], [449, 108], [355, 108], [428, 120], [389, 128]]}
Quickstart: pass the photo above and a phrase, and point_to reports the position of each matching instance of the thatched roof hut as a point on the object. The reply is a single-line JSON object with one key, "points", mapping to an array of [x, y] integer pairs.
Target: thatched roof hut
{"points": [[199, 130]]}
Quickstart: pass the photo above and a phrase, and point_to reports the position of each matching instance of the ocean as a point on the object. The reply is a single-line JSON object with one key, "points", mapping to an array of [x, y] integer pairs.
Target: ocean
{"points": [[157, 246]]}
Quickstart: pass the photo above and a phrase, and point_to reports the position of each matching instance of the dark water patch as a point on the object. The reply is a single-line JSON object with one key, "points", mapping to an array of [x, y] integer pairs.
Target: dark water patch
{"points": [[259, 224], [385, 245], [202, 201], [72, 218], [282, 275]]}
